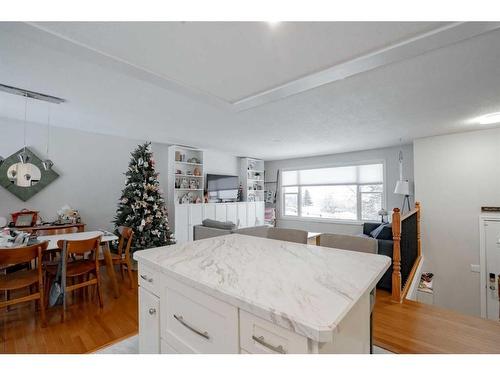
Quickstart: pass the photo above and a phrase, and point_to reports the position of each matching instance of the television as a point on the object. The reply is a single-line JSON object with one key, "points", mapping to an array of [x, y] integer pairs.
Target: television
{"points": [[222, 187]]}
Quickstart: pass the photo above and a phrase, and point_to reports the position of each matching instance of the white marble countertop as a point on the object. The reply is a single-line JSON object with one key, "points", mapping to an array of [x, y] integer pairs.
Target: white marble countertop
{"points": [[307, 289]]}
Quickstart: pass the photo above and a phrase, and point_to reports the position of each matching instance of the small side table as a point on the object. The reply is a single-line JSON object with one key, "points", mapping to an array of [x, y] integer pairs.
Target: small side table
{"points": [[313, 238]]}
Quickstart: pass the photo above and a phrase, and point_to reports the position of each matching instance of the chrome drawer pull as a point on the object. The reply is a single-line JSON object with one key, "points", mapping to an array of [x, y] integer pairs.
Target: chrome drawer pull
{"points": [[180, 319], [152, 311], [261, 341], [148, 279]]}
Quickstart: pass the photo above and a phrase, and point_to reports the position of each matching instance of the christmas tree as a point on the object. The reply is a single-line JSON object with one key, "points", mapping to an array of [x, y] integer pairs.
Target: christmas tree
{"points": [[141, 206]]}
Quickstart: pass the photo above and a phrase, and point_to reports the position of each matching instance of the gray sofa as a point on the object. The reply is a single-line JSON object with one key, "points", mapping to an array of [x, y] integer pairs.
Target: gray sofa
{"points": [[283, 234]]}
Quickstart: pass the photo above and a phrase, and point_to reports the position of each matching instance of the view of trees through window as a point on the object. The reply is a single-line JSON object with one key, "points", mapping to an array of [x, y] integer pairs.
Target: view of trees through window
{"points": [[359, 198]]}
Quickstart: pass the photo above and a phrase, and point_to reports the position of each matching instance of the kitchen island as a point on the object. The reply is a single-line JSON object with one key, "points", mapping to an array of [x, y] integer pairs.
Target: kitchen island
{"points": [[243, 294]]}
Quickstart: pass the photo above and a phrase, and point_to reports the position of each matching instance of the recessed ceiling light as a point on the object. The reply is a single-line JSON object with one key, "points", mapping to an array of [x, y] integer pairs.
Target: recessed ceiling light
{"points": [[490, 118]]}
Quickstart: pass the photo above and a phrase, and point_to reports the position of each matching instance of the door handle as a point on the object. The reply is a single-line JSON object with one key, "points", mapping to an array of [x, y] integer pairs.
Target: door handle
{"points": [[148, 279], [261, 341], [180, 319]]}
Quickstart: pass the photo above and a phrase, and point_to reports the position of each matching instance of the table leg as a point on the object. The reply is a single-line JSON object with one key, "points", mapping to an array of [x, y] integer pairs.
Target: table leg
{"points": [[110, 268], [63, 262]]}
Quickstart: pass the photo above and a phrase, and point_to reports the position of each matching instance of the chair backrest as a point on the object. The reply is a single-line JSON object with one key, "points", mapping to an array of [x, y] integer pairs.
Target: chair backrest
{"points": [[55, 231], [18, 255], [80, 247], [286, 234], [125, 243], [347, 242], [260, 231]]}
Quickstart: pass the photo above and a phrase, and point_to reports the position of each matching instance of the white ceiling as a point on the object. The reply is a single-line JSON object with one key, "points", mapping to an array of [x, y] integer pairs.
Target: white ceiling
{"points": [[234, 60], [174, 82]]}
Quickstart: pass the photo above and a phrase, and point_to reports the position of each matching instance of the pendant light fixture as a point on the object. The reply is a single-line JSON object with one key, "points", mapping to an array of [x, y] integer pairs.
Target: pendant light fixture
{"points": [[23, 155], [47, 163], [402, 186]]}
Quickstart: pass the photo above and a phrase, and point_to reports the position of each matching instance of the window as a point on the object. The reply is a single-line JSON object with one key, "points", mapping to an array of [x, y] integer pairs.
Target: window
{"points": [[337, 193]]}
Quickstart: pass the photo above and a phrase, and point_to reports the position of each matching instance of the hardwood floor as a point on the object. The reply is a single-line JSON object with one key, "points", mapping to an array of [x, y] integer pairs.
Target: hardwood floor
{"points": [[86, 329], [413, 327], [410, 327]]}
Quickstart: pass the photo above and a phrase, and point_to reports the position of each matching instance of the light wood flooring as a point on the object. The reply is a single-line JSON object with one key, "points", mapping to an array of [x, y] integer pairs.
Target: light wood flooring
{"points": [[86, 329], [413, 327]]}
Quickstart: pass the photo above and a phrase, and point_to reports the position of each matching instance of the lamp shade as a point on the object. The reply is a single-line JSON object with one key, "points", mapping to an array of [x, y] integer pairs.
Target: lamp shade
{"points": [[402, 187]]}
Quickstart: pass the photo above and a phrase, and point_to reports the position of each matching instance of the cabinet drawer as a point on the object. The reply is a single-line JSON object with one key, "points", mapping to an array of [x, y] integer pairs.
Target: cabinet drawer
{"points": [[149, 279], [192, 321], [259, 336]]}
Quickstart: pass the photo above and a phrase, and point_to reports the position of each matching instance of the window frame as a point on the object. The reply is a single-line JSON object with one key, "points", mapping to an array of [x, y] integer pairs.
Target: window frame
{"points": [[359, 219]]}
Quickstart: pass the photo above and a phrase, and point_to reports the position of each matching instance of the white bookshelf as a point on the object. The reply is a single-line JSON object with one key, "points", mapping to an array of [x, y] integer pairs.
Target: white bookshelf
{"points": [[252, 179], [186, 175]]}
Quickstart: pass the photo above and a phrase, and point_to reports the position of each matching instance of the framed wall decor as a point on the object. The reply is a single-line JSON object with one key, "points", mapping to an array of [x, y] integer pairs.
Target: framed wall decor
{"points": [[24, 180]]}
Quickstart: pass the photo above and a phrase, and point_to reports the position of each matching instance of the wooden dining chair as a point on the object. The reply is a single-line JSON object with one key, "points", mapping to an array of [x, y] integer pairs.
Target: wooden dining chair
{"points": [[50, 255], [26, 278], [82, 261], [55, 231], [122, 257]]}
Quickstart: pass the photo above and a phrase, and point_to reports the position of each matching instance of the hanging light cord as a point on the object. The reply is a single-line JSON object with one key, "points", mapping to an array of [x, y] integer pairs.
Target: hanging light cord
{"points": [[400, 159], [48, 130], [25, 117]]}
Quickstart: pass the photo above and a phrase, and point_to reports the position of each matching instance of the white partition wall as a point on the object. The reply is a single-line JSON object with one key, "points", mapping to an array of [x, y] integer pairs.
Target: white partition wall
{"points": [[232, 212], [243, 214]]}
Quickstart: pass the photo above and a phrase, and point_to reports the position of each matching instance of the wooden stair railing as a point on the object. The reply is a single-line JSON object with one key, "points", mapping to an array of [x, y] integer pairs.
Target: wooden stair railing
{"points": [[399, 291]]}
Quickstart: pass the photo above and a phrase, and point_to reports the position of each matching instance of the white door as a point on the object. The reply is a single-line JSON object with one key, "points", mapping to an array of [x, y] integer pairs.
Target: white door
{"points": [[492, 242], [220, 212], [149, 323], [195, 218], [251, 217], [209, 211], [181, 223], [259, 212], [242, 215], [231, 213]]}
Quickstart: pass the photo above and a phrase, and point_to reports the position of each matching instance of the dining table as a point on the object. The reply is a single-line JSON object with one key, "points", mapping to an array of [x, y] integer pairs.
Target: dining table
{"points": [[106, 238]]}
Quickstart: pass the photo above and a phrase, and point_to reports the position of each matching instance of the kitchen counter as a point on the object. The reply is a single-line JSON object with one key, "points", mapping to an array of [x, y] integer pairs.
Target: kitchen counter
{"points": [[303, 288]]}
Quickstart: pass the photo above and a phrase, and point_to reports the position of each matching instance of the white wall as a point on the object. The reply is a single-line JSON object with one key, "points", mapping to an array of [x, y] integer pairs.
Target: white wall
{"points": [[220, 163], [454, 176], [388, 155], [91, 168]]}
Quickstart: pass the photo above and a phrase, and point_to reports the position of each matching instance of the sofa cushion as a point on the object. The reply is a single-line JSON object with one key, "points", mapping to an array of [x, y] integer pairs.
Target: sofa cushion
{"points": [[227, 225], [376, 232]]}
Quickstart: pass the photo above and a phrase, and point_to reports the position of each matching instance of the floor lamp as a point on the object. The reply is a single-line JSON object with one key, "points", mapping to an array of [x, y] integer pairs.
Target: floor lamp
{"points": [[403, 188]]}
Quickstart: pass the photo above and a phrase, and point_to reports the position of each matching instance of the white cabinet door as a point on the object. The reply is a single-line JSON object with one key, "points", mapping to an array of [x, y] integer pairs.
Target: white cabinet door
{"points": [[181, 223], [251, 217], [231, 213], [220, 212], [195, 218], [259, 213], [149, 323], [242, 215], [209, 211]]}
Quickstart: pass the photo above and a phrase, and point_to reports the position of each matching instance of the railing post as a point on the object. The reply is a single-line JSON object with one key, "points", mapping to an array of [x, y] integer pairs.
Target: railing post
{"points": [[396, 255]]}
